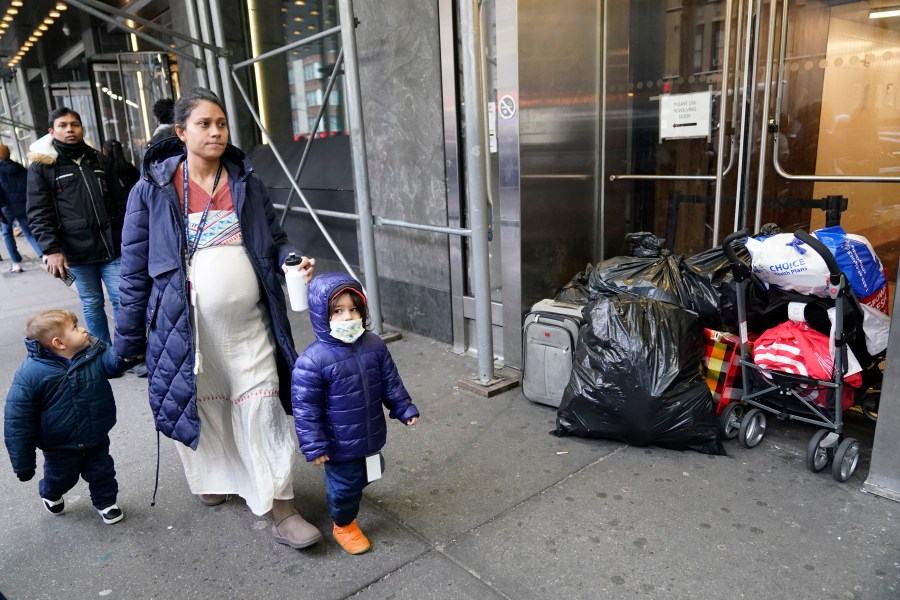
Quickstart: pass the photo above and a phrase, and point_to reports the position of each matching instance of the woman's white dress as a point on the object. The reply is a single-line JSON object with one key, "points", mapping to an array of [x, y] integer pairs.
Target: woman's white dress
{"points": [[247, 442]]}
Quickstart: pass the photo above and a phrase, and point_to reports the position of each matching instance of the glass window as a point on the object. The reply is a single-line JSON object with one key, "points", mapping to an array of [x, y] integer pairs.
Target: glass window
{"points": [[310, 66]]}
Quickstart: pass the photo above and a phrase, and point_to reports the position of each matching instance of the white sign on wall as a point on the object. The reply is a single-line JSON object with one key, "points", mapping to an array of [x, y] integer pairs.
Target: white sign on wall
{"points": [[684, 115]]}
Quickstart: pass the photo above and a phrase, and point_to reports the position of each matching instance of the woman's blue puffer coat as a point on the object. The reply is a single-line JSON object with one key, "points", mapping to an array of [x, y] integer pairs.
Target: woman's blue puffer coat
{"points": [[154, 316], [338, 389], [54, 405]]}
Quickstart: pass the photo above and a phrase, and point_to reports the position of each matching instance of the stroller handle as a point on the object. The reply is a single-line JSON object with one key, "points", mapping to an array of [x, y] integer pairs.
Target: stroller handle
{"points": [[729, 251], [822, 250]]}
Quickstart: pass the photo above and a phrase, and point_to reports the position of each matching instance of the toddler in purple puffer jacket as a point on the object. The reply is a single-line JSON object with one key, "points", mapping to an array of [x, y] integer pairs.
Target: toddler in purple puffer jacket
{"points": [[338, 387]]}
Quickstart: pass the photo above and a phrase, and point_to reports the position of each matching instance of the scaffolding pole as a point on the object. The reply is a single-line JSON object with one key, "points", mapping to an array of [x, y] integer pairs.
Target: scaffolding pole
{"points": [[476, 188], [360, 161]]}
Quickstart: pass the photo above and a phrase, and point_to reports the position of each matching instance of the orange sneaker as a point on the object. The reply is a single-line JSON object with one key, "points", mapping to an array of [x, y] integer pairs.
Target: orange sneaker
{"points": [[351, 538]]}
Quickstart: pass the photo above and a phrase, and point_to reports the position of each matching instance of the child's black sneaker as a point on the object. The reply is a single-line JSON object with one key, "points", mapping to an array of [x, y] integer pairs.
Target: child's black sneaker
{"points": [[54, 506], [111, 514]]}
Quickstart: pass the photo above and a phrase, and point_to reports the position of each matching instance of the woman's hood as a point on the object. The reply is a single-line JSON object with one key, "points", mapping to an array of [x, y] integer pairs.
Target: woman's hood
{"points": [[321, 289], [163, 158]]}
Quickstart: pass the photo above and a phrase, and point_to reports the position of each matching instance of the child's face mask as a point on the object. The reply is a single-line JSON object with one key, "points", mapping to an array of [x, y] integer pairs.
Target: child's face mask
{"points": [[347, 331]]}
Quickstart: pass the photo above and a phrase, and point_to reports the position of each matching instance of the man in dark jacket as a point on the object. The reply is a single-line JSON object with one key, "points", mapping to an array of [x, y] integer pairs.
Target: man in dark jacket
{"points": [[13, 185], [75, 209]]}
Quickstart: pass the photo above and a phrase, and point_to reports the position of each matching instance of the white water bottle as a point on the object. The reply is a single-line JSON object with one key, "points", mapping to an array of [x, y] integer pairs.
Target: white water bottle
{"points": [[296, 283]]}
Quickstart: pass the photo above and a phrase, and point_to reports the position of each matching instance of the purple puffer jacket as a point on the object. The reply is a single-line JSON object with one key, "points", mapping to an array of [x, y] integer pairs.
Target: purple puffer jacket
{"points": [[337, 389]]}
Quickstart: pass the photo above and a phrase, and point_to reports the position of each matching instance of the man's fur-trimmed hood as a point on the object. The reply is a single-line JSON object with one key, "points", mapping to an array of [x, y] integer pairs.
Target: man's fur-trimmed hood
{"points": [[44, 152]]}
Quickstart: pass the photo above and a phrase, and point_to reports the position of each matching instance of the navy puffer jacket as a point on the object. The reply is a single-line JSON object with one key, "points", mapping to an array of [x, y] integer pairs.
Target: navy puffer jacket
{"points": [[338, 389], [56, 405], [154, 316]]}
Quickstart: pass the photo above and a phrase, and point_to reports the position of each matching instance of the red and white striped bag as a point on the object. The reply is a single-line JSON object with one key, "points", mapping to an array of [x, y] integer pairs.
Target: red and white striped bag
{"points": [[795, 347]]}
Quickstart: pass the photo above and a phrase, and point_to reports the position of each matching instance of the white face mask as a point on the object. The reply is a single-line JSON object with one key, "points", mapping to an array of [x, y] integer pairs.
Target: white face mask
{"points": [[347, 331]]}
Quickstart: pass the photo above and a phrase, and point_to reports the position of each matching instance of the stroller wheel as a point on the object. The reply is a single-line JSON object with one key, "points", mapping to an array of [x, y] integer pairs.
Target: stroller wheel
{"points": [[730, 420], [869, 404], [753, 428], [818, 457], [846, 457]]}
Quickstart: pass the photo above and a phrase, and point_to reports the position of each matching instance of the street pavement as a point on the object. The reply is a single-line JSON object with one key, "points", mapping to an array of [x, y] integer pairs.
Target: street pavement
{"points": [[478, 502]]}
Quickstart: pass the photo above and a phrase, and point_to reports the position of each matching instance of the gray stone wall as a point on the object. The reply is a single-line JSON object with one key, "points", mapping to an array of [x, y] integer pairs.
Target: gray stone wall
{"points": [[399, 61]]}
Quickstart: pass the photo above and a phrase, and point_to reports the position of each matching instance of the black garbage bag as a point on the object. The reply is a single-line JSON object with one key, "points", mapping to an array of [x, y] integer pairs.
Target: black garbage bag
{"points": [[643, 244], [713, 279], [657, 278], [578, 290], [637, 378]]}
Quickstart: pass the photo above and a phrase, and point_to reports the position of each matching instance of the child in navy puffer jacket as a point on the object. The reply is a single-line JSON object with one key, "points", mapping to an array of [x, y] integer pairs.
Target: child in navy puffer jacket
{"points": [[61, 402], [337, 388]]}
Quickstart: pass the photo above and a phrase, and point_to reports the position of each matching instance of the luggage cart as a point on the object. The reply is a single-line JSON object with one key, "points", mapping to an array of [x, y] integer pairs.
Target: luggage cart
{"points": [[789, 396]]}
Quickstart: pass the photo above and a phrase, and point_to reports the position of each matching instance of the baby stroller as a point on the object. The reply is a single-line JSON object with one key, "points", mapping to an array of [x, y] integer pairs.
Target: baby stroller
{"points": [[790, 396]]}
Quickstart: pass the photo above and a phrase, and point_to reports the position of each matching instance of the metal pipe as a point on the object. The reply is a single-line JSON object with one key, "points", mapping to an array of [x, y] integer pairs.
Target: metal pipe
{"points": [[194, 28], [77, 4], [215, 13], [470, 36], [746, 140], [191, 39], [379, 221], [322, 213], [486, 133], [360, 160], [312, 135], [215, 83], [287, 48], [764, 125], [600, 218], [284, 168], [779, 99], [666, 177], [723, 103], [433, 228]]}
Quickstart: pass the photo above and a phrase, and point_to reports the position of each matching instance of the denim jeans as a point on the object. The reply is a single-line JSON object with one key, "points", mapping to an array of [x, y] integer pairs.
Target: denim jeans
{"points": [[95, 465], [344, 483], [10, 239], [88, 280]]}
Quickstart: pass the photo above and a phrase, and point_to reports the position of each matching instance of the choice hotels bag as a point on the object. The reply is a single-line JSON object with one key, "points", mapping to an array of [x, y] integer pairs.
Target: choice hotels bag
{"points": [[784, 261]]}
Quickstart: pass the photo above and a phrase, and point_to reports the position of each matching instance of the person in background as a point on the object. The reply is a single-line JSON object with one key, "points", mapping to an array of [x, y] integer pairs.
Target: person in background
{"points": [[126, 174], [13, 195], [202, 300], [61, 402], [164, 111], [338, 387], [75, 210]]}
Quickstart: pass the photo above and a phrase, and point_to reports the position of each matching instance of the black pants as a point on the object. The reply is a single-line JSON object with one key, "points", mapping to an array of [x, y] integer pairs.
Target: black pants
{"points": [[344, 483], [63, 467]]}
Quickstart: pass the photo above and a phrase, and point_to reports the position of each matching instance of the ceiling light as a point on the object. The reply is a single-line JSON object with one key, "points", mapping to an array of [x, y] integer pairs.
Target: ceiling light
{"points": [[32, 38], [884, 12], [16, 3], [61, 6], [48, 21], [12, 11], [38, 33], [55, 14], [7, 18], [43, 27]]}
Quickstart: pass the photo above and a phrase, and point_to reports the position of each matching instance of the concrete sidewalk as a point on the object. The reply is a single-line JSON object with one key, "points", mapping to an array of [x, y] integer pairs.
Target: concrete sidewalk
{"points": [[478, 502]]}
